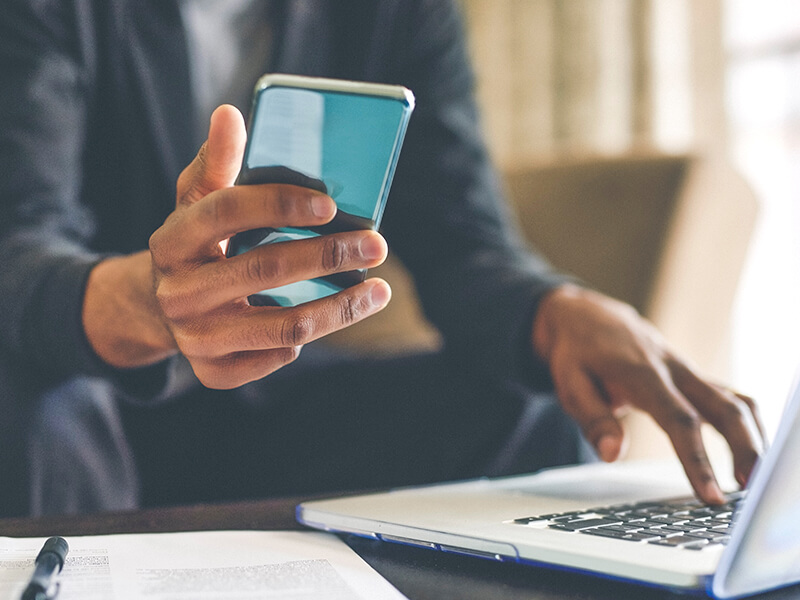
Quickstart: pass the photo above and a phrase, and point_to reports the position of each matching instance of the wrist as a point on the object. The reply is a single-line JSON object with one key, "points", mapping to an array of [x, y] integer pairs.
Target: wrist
{"points": [[121, 316], [547, 315]]}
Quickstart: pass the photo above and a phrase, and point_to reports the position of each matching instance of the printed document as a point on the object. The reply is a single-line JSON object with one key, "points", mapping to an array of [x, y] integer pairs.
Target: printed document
{"points": [[206, 565]]}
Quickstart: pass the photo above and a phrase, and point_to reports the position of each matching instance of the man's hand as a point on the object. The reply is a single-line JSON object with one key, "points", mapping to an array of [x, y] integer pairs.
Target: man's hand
{"points": [[603, 356], [185, 295]]}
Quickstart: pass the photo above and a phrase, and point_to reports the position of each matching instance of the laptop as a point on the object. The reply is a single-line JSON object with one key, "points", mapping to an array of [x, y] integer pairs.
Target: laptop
{"points": [[637, 521]]}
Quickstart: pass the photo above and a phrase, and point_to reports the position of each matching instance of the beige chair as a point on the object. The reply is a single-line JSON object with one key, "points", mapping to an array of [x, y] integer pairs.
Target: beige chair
{"points": [[668, 234]]}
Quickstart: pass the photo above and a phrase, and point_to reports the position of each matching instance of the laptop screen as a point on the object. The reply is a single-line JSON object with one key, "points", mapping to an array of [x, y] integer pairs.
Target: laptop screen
{"points": [[766, 541]]}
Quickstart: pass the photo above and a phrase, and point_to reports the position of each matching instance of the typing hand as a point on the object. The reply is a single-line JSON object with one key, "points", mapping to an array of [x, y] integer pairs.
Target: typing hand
{"points": [[202, 295], [603, 356]]}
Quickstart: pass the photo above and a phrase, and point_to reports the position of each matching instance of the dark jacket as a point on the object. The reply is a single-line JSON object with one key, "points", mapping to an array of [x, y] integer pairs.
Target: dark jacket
{"points": [[96, 122]]}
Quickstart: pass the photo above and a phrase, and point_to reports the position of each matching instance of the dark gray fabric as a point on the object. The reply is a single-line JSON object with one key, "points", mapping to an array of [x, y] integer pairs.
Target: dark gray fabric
{"points": [[96, 122], [78, 453], [403, 421], [330, 423]]}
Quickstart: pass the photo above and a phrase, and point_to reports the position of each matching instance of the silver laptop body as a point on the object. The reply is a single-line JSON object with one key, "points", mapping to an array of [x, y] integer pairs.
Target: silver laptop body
{"points": [[499, 519]]}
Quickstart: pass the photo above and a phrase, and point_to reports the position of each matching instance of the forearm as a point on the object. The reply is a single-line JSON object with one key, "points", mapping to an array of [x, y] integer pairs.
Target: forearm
{"points": [[121, 316]]}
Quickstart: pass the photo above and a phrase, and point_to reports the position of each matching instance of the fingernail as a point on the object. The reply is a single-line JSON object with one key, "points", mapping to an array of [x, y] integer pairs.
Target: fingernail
{"points": [[380, 294], [371, 247], [322, 206], [608, 448]]}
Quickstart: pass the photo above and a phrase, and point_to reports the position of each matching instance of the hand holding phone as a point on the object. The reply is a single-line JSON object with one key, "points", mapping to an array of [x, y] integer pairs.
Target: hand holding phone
{"points": [[184, 295], [342, 138]]}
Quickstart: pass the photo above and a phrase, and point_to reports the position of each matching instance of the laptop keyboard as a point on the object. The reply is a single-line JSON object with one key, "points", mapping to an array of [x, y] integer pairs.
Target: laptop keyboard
{"points": [[685, 523]]}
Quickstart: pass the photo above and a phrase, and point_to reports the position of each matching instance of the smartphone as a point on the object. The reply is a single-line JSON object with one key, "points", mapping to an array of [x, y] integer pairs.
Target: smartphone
{"points": [[342, 138]]}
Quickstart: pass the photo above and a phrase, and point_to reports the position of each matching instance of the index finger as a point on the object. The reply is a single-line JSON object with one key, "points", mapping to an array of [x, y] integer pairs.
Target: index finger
{"points": [[229, 211], [734, 416], [682, 423]]}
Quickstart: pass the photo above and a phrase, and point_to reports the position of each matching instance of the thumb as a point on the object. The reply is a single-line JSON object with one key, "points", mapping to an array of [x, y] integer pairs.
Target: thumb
{"points": [[218, 162], [586, 404]]}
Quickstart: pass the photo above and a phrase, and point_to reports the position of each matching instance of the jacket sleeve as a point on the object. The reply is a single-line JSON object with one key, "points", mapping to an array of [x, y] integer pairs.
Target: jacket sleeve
{"points": [[47, 69], [447, 218]]}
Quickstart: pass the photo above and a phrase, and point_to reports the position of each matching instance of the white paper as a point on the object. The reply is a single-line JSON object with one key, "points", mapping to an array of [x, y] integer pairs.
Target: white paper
{"points": [[206, 565]]}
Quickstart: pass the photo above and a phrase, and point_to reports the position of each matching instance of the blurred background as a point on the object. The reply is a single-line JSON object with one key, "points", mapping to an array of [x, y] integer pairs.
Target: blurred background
{"points": [[568, 83]]}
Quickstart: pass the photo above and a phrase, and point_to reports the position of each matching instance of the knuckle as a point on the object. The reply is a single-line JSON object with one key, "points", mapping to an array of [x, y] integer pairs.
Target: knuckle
{"points": [[192, 343], [334, 253], [641, 368], [281, 203], [733, 413], [706, 475], [686, 420], [173, 305], [167, 253], [350, 309], [159, 246], [701, 466], [219, 208], [296, 330], [155, 243], [749, 456], [595, 427], [699, 458], [184, 181], [569, 401], [261, 268]]}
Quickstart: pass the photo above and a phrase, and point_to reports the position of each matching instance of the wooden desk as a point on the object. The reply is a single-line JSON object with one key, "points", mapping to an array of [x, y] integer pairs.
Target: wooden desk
{"points": [[420, 574]]}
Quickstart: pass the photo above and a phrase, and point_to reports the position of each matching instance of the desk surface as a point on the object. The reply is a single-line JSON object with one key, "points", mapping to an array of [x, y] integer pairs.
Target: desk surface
{"points": [[420, 574]]}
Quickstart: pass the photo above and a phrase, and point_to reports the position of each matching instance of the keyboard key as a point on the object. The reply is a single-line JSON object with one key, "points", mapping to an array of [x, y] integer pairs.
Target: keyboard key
{"points": [[651, 512], [695, 546], [658, 533], [630, 518], [548, 517], [709, 535], [718, 523], [583, 524], [678, 540], [680, 523], [564, 518], [631, 536], [688, 528], [670, 520], [680, 529], [699, 523], [603, 510], [624, 527], [705, 511]]}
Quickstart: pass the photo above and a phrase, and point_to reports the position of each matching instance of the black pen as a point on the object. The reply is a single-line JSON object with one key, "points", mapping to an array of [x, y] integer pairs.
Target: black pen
{"points": [[48, 563]]}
